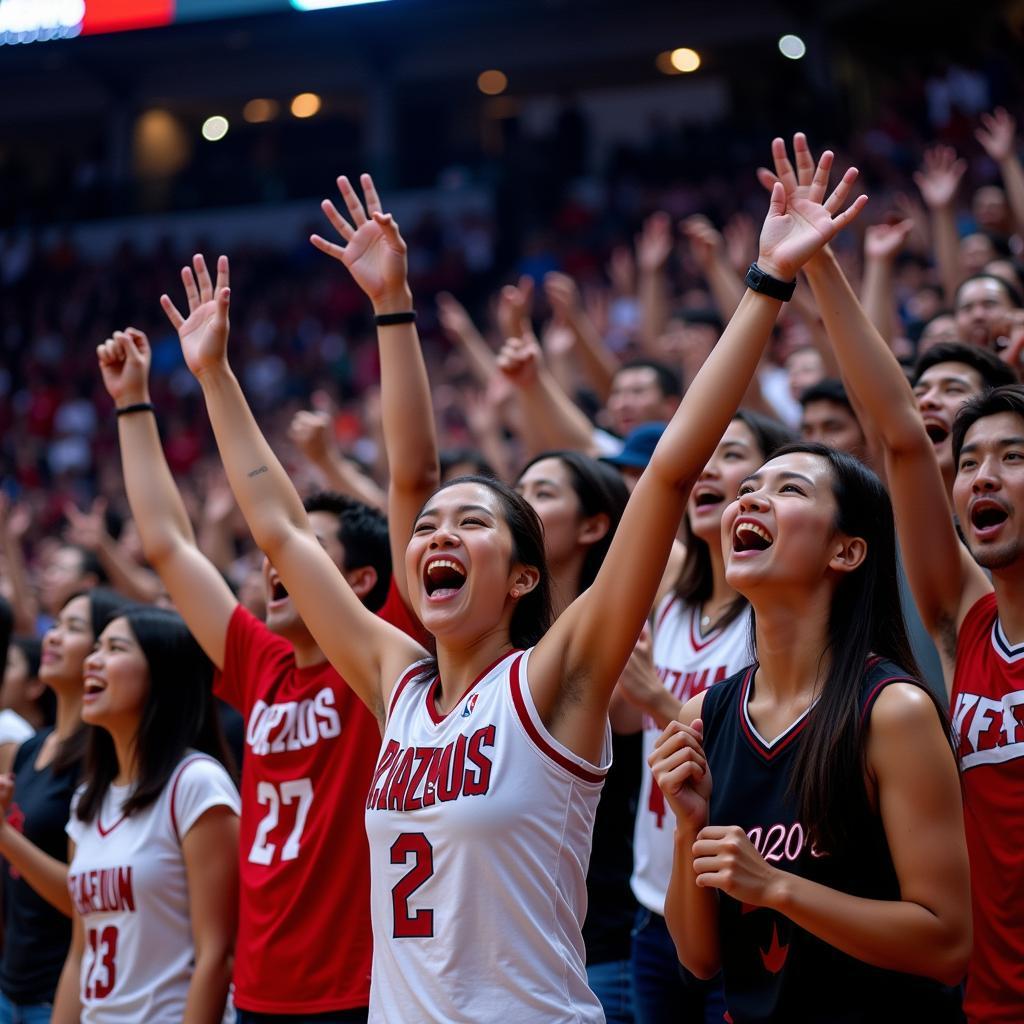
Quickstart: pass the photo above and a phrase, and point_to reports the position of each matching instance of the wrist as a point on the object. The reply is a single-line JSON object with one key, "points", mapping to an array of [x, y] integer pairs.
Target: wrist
{"points": [[779, 272], [136, 398], [399, 301], [777, 891]]}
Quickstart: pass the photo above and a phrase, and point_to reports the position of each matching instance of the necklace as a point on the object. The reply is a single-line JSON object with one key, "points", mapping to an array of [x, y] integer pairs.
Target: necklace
{"points": [[705, 621]]}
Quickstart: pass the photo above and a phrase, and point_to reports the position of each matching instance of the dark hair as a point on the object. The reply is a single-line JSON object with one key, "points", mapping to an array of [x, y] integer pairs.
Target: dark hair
{"points": [[828, 390], [669, 382], [91, 564], [696, 580], [701, 317], [600, 490], [452, 457], [994, 372], [1009, 398], [178, 715], [1011, 293], [104, 605], [865, 619], [532, 616], [363, 533], [31, 648]]}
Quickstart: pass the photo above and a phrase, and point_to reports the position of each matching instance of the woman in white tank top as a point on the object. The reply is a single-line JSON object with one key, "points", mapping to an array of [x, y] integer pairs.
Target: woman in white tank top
{"points": [[154, 835], [492, 761]]}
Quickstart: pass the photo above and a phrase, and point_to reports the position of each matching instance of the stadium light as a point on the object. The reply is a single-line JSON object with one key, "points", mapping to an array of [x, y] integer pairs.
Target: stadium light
{"points": [[259, 111], [215, 128], [32, 21], [792, 47], [684, 59], [306, 104], [324, 5], [492, 83]]}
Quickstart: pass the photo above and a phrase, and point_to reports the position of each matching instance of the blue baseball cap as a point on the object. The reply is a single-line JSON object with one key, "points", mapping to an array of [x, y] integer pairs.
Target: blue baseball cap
{"points": [[638, 446]]}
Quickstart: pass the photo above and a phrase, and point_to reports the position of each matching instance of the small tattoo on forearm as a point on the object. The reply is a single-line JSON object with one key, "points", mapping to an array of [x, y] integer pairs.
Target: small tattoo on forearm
{"points": [[256, 472]]}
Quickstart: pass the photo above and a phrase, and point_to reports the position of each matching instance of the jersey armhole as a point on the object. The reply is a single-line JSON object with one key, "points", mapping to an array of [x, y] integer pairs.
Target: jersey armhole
{"points": [[415, 669]]}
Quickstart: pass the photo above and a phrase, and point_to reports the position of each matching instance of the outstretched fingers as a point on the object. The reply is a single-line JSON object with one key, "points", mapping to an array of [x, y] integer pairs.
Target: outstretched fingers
{"points": [[849, 215], [330, 248], [373, 204], [841, 192], [783, 168], [223, 274], [805, 169], [191, 288], [819, 180], [338, 222], [172, 311], [355, 207], [203, 277]]}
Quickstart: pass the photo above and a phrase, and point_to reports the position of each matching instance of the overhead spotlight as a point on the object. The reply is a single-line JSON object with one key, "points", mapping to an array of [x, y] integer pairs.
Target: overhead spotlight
{"points": [[306, 104], [259, 111], [663, 62], [215, 128], [492, 83], [684, 59], [792, 47]]}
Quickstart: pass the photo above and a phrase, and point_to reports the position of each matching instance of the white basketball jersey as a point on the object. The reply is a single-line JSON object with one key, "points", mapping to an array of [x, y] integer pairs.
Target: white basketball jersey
{"points": [[687, 663], [127, 881], [480, 825]]}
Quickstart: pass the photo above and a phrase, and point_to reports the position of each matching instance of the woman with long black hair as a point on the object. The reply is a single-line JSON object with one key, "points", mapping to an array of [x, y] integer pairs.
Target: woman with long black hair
{"points": [[819, 856], [153, 876], [36, 786], [701, 635]]}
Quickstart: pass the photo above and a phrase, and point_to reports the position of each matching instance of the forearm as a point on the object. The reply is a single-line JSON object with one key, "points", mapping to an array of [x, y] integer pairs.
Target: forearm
{"points": [[342, 476], [865, 360], [1012, 172], [126, 575], [894, 934], [479, 355], [878, 299], [268, 499], [208, 989], [552, 420], [45, 874], [947, 249], [726, 288], [153, 496], [596, 361], [67, 1006], [23, 603], [215, 542], [691, 912], [653, 299]]}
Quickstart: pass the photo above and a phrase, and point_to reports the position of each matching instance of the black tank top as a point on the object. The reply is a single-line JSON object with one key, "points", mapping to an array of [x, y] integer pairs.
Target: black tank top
{"points": [[36, 935], [773, 970]]}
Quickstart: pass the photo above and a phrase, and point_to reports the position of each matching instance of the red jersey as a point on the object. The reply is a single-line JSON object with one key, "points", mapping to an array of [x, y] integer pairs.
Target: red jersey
{"points": [[988, 721], [304, 940]]}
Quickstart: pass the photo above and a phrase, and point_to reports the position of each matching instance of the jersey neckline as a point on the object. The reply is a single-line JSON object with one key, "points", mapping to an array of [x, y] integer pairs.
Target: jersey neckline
{"points": [[435, 716], [768, 750]]}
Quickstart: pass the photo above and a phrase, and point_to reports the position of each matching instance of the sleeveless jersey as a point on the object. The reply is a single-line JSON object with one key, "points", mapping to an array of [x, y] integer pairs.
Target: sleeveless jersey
{"points": [[988, 722], [480, 827], [772, 969], [687, 663], [128, 883]]}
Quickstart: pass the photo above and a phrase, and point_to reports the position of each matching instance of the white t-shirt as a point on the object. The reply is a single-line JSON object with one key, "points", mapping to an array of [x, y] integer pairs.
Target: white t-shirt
{"points": [[480, 824], [687, 662], [128, 882], [14, 728]]}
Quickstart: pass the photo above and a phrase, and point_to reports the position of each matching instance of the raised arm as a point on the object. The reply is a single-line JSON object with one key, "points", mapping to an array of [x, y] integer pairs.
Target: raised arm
{"points": [[590, 642], [938, 181], [267, 498], [882, 244], [998, 134], [194, 584], [375, 255], [653, 248], [15, 521]]}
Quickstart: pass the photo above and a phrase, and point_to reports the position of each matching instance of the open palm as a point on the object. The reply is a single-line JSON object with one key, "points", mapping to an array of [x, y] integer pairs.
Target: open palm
{"points": [[801, 220], [204, 332], [374, 251]]}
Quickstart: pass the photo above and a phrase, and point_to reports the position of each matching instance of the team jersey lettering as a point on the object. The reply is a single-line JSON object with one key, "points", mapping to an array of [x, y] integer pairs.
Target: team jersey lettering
{"points": [[292, 725], [684, 685], [411, 778], [989, 731], [103, 890]]}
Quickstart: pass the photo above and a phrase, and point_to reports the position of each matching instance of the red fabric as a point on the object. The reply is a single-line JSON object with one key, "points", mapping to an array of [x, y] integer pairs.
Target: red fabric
{"points": [[119, 15], [988, 717], [304, 940]]}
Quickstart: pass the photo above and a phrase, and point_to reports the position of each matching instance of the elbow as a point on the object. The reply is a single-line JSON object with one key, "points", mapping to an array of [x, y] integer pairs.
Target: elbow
{"points": [[702, 968], [692, 951], [425, 480], [950, 964]]}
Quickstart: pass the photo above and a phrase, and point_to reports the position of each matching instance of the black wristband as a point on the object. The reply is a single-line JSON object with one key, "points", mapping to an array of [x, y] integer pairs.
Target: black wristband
{"points": [[137, 407], [389, 319], [758, 280]]}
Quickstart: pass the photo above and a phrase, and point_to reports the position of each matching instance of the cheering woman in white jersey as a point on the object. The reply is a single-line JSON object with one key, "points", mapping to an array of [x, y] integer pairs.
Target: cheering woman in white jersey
{"points": [[153, 876], [480, 813]]}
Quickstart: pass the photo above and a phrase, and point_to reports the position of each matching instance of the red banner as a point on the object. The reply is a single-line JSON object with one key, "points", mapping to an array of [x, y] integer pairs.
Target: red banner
{"points": [[121, 15]]}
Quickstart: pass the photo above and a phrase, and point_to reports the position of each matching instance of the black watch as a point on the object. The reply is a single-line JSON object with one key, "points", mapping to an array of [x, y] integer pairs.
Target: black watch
{"points": [[758, 281]]}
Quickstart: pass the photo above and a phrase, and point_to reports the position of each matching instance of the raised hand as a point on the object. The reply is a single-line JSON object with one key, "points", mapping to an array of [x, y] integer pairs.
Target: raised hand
{"points": [[515, 307], [705, 240], [939, 176], [998, 135], [87, 529], [563, 296], [654, 243], [374, 251], [801, 220], [204, 333], [622, 271], [886, 241], [520, 361], [452, 315], [740, 234], [681, 772], [124, 362], [15, 520], [310, 431]]}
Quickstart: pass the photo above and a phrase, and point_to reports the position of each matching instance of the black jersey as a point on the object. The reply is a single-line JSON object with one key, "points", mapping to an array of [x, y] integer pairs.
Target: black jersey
{"points": [[773, 970]]}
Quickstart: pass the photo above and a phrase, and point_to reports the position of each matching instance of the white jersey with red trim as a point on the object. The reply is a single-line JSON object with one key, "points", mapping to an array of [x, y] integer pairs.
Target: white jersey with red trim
{"points": [[480, 826], [687, 662], [128, 883]]}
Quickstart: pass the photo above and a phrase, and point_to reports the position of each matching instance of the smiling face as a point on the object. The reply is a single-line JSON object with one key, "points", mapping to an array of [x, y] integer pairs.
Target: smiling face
{"points": [[282, 616], [66, 645], [116, 682], [459, 564], [941, 391], [735, 458], [547, 486], [64, 574], [989, 488], [781, 529]]}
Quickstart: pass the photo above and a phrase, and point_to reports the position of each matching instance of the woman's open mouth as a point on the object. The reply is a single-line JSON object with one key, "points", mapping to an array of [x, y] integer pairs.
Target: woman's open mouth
{"points": [[749, 536], [443, 578]]}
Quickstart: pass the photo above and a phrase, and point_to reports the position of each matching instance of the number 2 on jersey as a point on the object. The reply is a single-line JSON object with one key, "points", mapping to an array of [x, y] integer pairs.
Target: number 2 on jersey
{"points": [[415, 845], [99, 982], [272, 797]]}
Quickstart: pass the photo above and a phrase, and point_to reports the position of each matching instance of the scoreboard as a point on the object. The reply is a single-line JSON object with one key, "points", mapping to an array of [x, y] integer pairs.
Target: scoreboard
{"points": [[30, 21]]}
